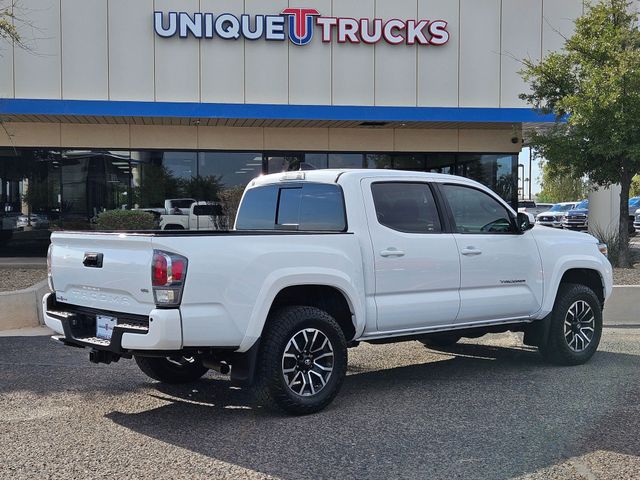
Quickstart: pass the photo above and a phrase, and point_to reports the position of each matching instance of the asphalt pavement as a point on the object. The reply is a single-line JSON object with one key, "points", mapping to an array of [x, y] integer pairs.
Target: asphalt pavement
{"points": [[488, 408]]}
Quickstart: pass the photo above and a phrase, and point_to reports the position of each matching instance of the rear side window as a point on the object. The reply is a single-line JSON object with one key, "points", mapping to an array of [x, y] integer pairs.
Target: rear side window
{"points": [[301, 206], [406, 207]]}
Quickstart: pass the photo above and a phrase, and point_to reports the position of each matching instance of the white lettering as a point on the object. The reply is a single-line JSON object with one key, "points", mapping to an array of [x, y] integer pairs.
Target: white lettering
{"points": [[368, 37], [188, 24], [159, 24], [227, 26], [348, 30], [246, 27], [208, 25], [275, 27], [438, 31], [327, 23], [415, 32], [389, 35]]}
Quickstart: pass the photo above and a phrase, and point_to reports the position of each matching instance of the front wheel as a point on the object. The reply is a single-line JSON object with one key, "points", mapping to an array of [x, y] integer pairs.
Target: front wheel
{"points": [[302, 361], [575, 326], [172, 369]]}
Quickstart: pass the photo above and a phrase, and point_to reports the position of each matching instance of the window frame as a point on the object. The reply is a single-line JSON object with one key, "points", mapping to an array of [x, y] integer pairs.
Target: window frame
{"points": [[442, 218], [452, 219]]}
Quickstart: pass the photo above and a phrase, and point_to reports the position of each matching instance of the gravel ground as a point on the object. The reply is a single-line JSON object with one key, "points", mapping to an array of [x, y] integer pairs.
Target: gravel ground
{"points": [[629, 276], [17, 278], [626, 276], [486, 409]]}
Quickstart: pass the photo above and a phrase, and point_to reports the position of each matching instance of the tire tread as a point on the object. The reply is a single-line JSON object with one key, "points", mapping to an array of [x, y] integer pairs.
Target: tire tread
{"points": [[268, 390]]}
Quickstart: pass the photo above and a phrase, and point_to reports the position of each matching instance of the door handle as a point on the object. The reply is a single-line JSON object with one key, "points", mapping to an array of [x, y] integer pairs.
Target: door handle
{"points": [[471, 251], [392, 252], [93, 260]]}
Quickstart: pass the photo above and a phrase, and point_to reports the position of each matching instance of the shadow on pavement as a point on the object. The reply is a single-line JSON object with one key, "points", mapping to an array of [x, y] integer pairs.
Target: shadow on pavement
{"points": [[480, 412]]}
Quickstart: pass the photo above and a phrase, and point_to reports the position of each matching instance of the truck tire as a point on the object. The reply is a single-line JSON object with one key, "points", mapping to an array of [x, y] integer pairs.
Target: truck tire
{"points": [[575, 326], [302, 360], [172, 370], [440, 340]]}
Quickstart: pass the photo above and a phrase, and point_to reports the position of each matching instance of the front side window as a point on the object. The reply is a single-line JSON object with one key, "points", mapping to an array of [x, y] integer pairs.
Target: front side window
{"points": [[301, 206], [406, 207], [474, 211]]}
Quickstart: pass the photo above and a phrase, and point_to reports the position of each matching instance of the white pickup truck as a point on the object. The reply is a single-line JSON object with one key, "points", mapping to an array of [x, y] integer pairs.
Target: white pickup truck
{"points": [[319, 261], [199, 216]]}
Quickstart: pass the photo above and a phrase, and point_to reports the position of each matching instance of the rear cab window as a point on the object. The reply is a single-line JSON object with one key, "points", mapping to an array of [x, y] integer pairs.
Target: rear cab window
{"points": [[301, 206]]}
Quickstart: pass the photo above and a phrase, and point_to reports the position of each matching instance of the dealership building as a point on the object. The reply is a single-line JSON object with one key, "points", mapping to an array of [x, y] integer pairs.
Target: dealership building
{"points": [[121, 104]]}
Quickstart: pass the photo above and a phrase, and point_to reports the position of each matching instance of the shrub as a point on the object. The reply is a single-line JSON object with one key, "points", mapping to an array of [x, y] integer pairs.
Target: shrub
{"points": [[613, 241], [126, 220]]}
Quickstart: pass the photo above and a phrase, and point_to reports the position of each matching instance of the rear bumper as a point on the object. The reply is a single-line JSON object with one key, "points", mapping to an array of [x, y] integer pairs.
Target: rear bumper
{"points": [[160, 331]]}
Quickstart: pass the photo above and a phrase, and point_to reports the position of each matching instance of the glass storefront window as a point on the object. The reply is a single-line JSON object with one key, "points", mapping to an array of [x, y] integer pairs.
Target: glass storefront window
{"points": [[226, 174], [378, 160], [409, 162], [317, 160], [283, 163], [498, 172], [346, 160], [44, 189], [440, 163]]}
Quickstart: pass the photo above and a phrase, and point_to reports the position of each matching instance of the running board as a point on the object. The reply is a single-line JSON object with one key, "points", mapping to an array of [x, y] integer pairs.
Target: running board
{"points": [[442, 328]]}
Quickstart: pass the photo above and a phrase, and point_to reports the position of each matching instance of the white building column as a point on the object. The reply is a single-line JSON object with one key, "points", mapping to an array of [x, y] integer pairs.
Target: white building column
{"points": [[604, 210]]}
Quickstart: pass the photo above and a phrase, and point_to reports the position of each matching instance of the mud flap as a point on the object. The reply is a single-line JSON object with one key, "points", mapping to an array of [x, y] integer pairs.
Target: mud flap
{"points": [[537, 333], [243, 366]]}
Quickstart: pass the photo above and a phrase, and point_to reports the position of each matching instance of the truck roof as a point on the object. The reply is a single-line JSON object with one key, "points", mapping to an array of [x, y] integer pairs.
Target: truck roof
{"points": [[332, 175]]}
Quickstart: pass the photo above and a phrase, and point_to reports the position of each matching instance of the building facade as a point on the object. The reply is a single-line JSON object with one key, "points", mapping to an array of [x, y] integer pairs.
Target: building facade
{"points": [[117, 104]]}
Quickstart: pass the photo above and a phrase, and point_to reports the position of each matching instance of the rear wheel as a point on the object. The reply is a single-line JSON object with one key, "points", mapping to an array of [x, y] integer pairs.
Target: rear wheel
{"points": [[172, 369], [575, 326], [302, 362]]}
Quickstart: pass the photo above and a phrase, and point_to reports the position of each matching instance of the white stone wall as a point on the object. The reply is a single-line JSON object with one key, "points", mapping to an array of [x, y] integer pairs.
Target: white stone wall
{"points": [[107, 50]]}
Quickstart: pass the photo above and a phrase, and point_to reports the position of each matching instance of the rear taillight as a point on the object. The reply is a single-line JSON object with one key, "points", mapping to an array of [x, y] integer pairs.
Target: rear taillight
{"points": [[168, 273], [49, 278]]}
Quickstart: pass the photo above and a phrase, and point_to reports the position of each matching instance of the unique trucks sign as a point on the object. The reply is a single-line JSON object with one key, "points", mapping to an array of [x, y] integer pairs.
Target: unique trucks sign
{"points": [[299, 25]]}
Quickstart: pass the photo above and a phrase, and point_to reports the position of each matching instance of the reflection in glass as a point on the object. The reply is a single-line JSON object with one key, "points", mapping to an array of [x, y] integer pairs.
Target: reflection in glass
{"points": [[346, 160], [378, 160], [283, 163], [43, 189], [317, 160]]}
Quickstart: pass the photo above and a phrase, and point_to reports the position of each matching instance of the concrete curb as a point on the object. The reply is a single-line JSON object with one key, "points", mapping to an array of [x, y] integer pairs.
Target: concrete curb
{"points": [[22, 308], [623, 306]]}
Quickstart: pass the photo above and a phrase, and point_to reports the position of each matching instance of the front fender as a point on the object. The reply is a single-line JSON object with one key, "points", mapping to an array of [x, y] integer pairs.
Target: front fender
{"points": [[351, 288], [570, 262]]}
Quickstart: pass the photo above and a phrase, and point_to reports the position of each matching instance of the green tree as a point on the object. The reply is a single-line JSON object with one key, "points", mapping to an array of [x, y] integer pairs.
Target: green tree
{"points": [[635, 187], [8, 30], [593, 88], [201, 188], [558, 185]]}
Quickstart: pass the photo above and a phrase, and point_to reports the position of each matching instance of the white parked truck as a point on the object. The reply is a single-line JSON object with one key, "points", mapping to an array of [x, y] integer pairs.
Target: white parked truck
{"points": [[319, 261], [199, 216]]}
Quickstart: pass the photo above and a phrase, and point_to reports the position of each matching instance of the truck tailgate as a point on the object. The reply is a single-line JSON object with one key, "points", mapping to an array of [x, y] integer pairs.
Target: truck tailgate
{"points": [[105, 271]]}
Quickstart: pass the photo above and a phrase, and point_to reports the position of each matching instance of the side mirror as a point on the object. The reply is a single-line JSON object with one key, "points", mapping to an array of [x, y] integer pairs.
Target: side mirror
{"points": [[525, 222]]}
